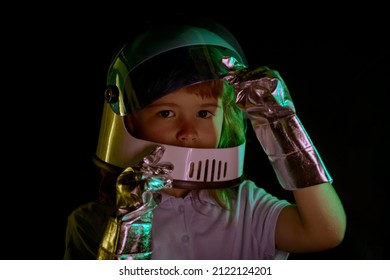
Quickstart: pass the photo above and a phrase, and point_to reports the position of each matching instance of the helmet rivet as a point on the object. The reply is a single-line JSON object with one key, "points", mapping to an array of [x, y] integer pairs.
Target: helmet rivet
{"points": [[111, 94]]}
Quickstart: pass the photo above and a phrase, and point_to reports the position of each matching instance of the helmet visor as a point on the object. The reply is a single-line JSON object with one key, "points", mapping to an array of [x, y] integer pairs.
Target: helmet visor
{"points": [[165, 64]]}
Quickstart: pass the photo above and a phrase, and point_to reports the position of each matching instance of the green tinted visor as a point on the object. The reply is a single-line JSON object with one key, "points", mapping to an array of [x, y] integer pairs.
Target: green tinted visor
{"points": [[164, 60]]}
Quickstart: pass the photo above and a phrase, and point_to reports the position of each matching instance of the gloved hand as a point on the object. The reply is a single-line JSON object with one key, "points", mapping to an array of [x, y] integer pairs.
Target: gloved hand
{"points": [[263, 96], [129, 234]]}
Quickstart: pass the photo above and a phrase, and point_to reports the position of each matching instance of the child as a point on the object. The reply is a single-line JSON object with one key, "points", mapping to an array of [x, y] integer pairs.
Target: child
{"points": [[171, 150]]}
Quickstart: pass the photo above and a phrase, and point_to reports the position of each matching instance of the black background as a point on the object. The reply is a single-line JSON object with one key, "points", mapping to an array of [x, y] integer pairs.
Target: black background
{"points": [[334, 62]]}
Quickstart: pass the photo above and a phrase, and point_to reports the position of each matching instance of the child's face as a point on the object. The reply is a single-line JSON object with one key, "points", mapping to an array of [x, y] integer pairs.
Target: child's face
{"points": [[180, 118]]}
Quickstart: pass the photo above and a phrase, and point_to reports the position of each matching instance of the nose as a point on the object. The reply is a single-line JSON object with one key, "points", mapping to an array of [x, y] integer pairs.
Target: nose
{"points": [[187, 133]]}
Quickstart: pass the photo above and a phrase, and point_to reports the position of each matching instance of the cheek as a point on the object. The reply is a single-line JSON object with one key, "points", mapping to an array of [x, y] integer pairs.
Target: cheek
{"points": [[137, 127], [218, 126], [153, 131], [143, 127], [129, 125]]}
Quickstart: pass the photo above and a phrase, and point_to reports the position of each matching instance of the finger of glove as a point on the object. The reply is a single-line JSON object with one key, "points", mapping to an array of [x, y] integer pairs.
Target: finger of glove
{"points": [[257, 101], [151, 166], [157, 183], [129, 189], [155, 156], [275, 84]]}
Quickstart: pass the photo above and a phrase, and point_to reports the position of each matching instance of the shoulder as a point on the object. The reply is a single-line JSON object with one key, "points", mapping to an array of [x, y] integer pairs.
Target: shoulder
{"points": [[92, 208], [85, 229], [252, 194], [248, 188], [93, 212]]}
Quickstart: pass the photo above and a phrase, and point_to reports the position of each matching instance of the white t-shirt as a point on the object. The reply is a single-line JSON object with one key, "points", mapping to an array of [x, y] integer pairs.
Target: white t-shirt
{"points": [[181, 232]]}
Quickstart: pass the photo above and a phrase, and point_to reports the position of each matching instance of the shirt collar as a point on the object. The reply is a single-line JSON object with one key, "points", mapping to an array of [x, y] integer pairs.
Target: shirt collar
{"points": [[203, 197]]}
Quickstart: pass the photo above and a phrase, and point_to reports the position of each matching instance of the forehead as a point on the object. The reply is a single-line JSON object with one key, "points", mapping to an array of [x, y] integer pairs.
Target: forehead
{"points": [[188, 96], [208, 89]]}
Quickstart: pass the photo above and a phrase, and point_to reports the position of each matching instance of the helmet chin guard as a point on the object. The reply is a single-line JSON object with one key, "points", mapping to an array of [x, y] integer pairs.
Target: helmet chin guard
{"points": [[214, 168]]}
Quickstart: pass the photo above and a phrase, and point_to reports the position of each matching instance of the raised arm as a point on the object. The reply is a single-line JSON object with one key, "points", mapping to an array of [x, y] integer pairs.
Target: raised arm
{"points": [[317, 221]]}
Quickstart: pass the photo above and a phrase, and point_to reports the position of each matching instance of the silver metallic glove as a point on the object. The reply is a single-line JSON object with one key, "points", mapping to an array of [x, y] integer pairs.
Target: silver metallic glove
{"points": [[128, 235], [263, 96]]}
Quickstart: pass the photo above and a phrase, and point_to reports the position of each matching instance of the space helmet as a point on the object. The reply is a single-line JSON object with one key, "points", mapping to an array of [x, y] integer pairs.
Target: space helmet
{"points": [[153, 64]]}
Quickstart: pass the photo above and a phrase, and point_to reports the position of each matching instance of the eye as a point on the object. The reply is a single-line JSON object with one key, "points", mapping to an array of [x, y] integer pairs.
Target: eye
{"points": [[204, 114], [166, 114]]}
